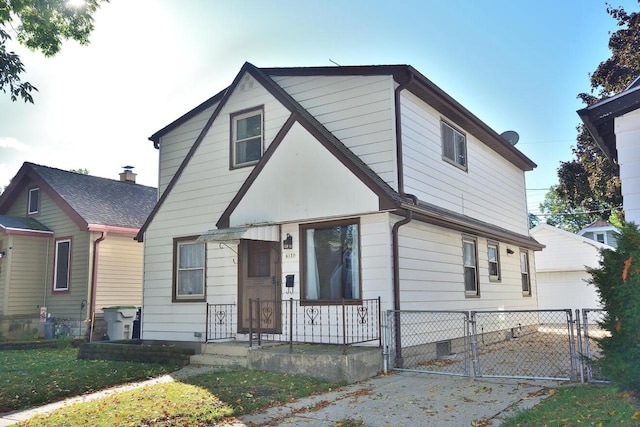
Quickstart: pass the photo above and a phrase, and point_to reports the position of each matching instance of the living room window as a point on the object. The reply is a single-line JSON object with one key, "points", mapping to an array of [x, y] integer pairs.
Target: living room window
{"points": [[189, 270], [331, 261], [34, 201], [454, 146], [61, 265], [493, 256], [524, 273], [246, 137], [470, 263]]}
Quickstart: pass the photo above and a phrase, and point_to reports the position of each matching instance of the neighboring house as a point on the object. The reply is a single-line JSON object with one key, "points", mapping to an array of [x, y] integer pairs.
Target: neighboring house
{"points": [[561, 268], [67, 245], [601, 231], [332, 185], [615, 125]]}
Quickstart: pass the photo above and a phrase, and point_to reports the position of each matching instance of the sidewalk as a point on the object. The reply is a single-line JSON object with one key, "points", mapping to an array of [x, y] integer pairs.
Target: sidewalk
{"points": [[398, 399]]}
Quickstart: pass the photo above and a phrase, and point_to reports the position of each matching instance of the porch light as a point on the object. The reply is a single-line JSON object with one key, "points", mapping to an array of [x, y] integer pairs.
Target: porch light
{"points": [[288, 242], [510, 251]]}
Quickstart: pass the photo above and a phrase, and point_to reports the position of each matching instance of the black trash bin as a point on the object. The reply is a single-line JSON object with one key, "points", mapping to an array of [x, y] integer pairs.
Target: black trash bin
{"points": [[136, 324], [49, 332]]}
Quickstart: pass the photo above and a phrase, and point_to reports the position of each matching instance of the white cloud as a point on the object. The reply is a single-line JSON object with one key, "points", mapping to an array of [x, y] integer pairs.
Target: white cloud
{"points": [[8, 142]]}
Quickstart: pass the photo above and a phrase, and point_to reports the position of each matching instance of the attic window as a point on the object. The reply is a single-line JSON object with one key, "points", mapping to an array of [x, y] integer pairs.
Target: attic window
{"points": [[454, 146], [34, 201], [246, 138]]}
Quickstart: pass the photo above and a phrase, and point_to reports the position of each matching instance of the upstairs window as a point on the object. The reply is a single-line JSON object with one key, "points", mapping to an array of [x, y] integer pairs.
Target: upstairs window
{"points": [[34, 201], [600, 237], [493, 254], [524, 273], [189, 270], [470, 262], [454, 146], [62, 264], [246, 138]]}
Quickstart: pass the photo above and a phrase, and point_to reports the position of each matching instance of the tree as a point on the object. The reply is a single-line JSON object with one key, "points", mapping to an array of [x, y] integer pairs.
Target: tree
{"points": [[618, 283], [559, 213], [591, 181], [39, 25], [81, 171]]}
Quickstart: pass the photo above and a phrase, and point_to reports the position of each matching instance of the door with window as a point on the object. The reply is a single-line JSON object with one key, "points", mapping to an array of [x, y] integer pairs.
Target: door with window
{"points": [[259, 278]]}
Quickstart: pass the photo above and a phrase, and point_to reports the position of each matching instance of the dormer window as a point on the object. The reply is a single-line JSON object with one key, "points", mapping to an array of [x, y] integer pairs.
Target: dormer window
{"points": [[246, 138], [34, 201]]}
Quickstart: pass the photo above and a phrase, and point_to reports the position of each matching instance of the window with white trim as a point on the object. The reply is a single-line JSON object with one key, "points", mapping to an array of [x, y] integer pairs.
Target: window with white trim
{"points": [[600, 237], [454, 145], [189, 270], [524, 273], [246, 138], [34, 201], [331, 261], [61, 265], [493, 256], [470, 263]]}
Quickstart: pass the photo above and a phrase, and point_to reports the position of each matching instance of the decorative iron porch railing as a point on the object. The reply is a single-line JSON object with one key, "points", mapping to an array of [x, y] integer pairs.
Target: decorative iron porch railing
{"points": [[292, 321]]}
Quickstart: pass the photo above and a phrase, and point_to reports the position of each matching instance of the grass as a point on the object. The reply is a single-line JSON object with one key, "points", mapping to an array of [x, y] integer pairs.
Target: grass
{"points": [[588, 405], [43, 376], [36, 377]]}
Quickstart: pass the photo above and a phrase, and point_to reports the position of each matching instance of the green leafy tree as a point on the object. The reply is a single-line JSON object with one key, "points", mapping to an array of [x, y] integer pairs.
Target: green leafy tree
{"points": [[82, 171], [618, 283], [39, 25], [558, 212], [591, 181]]}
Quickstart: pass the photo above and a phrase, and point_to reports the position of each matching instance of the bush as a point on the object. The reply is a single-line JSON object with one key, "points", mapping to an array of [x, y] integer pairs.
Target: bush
{"points": [[618, 283]]}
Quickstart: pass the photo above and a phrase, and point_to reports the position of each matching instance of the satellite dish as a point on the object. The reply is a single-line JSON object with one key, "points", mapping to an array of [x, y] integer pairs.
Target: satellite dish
{"points": [[511, 136]]}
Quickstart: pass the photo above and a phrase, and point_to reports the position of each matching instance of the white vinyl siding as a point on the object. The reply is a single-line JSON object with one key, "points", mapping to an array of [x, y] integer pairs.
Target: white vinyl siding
{"points": [[358, 110], [432, 276], [627, 129], [489, 183]]}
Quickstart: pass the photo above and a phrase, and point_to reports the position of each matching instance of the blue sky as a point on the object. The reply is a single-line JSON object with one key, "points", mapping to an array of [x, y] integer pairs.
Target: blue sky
{"points": [[517, 65]]}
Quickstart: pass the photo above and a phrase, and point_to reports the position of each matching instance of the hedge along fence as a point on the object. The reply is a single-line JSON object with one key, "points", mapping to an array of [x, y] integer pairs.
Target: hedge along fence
{"points": [[135, 351]]}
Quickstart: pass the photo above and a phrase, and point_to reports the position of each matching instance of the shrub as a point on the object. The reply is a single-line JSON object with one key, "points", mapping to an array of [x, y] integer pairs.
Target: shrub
{"points": [[618, 283]]}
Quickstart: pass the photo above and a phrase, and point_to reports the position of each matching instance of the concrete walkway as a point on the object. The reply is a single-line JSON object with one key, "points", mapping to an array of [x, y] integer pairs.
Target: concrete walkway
{"points": [[398, 399]]}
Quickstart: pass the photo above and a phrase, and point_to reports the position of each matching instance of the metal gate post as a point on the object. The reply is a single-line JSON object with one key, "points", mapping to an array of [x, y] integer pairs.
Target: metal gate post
{"points": [[474, 345], [572, 347], [580, 348]]}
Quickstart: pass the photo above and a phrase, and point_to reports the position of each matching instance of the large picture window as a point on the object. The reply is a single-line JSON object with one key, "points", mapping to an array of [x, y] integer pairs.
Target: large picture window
{"points": [[470, 262], [331, 261], [454, 146], [62, 264], [246, 138], [189, 270]]}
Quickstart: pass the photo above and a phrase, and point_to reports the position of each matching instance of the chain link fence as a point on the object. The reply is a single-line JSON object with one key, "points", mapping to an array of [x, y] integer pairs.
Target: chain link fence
{"points": [[428, 341], [589, 332]]}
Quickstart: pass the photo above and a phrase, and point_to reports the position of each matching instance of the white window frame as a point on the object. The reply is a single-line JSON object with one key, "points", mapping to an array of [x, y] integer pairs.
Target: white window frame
{"points": [[177, 295], [30, 210], [451, 152], [525, 273], [496, 246], [56, 265], [235, 118], [604, 237], [467, 266]]}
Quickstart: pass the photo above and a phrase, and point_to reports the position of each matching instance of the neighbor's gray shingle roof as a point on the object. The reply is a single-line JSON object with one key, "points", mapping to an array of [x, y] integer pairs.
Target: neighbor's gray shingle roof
{"points": [[21, 223], [100, 200]]}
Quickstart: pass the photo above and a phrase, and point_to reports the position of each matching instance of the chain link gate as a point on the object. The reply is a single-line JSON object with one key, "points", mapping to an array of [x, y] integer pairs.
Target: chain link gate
{"points": [[528, 344], [588, 333], [428, 341]]}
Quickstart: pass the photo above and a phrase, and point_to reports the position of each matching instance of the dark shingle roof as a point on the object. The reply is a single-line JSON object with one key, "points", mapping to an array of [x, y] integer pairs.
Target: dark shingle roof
{"points": [[100, 200], [21, 223]]}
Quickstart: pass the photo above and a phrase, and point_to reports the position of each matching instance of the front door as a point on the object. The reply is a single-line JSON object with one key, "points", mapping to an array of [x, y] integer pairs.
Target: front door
{"points": [[259, 278]]}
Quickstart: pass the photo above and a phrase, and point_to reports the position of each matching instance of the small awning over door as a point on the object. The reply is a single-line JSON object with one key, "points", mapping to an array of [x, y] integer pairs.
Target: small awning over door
{"points": [[270, 233]]}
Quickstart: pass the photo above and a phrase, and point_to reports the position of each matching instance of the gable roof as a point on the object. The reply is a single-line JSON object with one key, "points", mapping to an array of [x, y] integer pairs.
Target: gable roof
{"points": [[92, 202], [568, 235], [599, 118], [389, 198]]}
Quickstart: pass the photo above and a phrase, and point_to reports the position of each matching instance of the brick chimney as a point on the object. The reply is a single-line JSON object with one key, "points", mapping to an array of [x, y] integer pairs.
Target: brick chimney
{"points": [[127, 175]]}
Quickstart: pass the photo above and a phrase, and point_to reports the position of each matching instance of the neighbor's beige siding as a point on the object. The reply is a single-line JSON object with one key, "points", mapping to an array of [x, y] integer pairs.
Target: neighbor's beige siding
{"points": [[119, 272], [64, 305], [29, 276]]}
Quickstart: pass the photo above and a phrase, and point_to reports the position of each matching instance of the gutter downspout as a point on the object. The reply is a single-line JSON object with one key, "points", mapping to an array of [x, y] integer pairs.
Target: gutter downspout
{"points": [[395, 232], [94, 281]]}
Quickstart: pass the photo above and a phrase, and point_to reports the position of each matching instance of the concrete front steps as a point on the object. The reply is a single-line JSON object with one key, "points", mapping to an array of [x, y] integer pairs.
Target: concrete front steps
{"points": [[326, 362]]}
